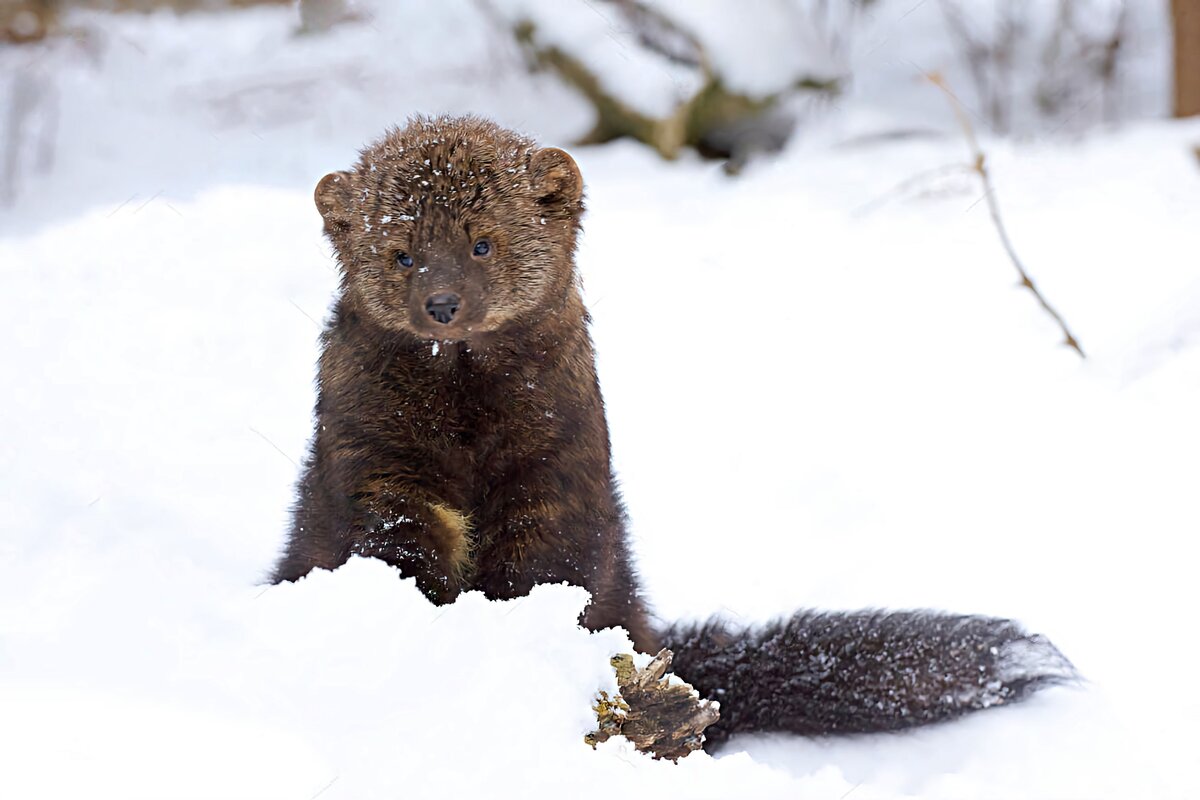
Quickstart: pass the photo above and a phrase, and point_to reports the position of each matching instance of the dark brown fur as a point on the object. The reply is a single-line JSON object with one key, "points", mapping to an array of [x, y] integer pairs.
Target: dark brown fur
{"points": [[474, 453], [496, 417]]}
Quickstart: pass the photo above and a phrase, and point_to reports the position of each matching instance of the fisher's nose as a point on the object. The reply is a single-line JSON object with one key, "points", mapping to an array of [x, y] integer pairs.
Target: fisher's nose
{"points": [[442, 306]]}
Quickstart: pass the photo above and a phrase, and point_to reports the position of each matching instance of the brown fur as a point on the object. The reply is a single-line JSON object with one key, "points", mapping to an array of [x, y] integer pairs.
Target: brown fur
{"points": [[475, 454]]}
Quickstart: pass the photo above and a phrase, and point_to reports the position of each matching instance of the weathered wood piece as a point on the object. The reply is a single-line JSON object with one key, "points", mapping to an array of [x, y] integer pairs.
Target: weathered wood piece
{"points": [[663, 717]]}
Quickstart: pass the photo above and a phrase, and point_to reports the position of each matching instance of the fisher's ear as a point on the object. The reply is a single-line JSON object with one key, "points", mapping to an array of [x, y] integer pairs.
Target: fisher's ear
{"points": [[556, 177], [332, 196]]}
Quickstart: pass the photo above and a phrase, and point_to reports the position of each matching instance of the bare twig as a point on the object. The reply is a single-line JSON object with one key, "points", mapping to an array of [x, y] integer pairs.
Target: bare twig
{"points": [[1111, 49], [979, 165], [660, 34], [262, 436], [977, 54]]}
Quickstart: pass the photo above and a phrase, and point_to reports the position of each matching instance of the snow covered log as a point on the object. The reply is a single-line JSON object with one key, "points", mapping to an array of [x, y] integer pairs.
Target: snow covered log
{"points": [[711, 116]]}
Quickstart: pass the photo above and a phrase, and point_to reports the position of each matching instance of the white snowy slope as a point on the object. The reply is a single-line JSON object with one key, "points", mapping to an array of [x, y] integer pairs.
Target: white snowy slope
{"points": [[842, 400]]}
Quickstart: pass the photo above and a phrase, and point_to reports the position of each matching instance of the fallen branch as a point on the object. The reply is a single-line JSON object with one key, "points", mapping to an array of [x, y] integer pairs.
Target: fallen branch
{"points": [[716, 120], [979, 166], [663, 717]]}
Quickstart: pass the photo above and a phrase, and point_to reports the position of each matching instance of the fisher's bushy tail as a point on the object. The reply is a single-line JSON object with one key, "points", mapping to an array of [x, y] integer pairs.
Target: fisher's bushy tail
{"points": [[822, 673]]}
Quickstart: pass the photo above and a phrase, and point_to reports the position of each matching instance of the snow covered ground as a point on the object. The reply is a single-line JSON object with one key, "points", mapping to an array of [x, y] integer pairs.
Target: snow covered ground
{"points": [[900, 429]]}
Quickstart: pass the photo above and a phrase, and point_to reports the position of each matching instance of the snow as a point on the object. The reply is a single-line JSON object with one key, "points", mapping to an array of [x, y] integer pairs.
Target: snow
{"points": [[595, 35], [823, 392]]}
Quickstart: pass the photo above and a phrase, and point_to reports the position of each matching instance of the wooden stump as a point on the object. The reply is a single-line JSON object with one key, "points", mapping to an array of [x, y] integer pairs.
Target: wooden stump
{"points": [[662, 717]]}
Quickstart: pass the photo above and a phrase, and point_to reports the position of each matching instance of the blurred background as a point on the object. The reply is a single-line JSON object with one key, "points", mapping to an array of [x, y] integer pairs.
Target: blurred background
{"points": [[204, 90]]}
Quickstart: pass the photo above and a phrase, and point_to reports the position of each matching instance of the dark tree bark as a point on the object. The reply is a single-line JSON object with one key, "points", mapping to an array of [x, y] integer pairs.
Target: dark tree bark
{"points": [[1185, 17]]}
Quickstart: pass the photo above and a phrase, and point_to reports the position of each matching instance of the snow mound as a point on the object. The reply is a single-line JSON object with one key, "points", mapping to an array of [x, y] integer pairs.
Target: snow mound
{"points": [[349, 679]]}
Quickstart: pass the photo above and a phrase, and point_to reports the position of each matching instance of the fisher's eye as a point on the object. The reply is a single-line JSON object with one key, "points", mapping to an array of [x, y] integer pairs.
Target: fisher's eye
{"points": [[404, 260], [482, 249]]}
